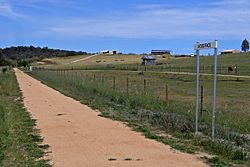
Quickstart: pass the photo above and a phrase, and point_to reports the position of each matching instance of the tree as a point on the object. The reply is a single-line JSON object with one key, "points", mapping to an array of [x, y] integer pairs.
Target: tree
{"points": [[22, 63], [2, 60], [245, 45]]}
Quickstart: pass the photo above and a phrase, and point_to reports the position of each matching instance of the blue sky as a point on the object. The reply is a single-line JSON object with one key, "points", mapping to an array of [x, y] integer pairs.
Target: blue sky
{"points": [[124, 25]]}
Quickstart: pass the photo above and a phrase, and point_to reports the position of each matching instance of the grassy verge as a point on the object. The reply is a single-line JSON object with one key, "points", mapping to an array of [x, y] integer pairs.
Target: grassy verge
{"points": [[20, 143], [151, 116]]}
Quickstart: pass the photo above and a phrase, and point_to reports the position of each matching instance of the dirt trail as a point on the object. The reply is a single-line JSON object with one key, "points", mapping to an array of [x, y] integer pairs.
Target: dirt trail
{"points": [[79, 138]]}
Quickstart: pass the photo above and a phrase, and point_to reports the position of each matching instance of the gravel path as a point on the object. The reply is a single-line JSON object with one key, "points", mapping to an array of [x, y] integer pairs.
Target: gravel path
{"points": [[79, 138]]}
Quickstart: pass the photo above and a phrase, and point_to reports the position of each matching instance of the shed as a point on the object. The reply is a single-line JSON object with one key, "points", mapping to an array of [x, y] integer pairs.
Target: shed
{"points": [[148, 60], [160, 52], [230, 51]]}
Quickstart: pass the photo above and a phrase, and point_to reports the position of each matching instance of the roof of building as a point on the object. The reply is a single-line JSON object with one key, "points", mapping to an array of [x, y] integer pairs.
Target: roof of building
{"points": [[148, 58], [161, 51], [231, 50]]}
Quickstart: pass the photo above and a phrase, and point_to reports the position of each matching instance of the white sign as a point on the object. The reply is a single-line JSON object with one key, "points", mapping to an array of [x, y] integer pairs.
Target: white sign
{"points": [[208, 45]]}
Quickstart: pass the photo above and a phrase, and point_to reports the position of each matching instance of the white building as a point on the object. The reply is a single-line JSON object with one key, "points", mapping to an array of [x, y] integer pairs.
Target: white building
{"points": [[109, 52], [230, 51]]}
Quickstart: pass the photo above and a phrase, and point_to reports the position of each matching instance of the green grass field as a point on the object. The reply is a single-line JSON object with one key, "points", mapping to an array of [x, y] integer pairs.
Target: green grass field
{"points": [[133, 62], [20, 143], [153, 100], [96, 61], [145, 108]]}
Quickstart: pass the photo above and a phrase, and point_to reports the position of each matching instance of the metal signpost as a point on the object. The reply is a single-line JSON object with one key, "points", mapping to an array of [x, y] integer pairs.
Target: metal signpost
{"points": [[198, 47]]}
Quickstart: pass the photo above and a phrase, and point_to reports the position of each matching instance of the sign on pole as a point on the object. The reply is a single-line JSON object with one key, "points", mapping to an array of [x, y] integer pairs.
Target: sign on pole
{"points": [[198, 46]]}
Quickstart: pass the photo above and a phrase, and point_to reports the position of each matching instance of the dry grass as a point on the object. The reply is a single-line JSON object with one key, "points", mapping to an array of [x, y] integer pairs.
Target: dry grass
{"points": [[101, 60]]}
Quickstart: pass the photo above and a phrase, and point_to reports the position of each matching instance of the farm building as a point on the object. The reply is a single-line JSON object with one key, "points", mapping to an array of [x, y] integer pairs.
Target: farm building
{"points": [[160, 52], [109, 52], [148, 60], [230, 51]]}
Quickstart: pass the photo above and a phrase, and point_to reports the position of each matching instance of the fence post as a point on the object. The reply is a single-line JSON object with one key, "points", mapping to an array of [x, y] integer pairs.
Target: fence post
{"points": [[94, 77], [145, 85], [204, 69], [221, 71]]}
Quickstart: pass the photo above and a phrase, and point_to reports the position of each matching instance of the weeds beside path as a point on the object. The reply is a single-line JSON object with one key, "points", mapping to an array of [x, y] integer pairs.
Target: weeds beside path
{"points": [[20, 144]]}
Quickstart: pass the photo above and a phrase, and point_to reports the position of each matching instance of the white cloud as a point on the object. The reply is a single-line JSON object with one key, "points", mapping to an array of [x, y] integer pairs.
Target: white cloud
{"points": [[7, 10], [152, 6], [222, 19]]}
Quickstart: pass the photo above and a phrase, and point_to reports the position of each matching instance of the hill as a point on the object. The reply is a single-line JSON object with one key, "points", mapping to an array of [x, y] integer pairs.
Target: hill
{"points": [[31, 53], [169, 63]]}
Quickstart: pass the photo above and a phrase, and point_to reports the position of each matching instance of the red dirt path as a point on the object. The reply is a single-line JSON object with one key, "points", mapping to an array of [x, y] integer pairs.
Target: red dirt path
{"points": [[79, 138]]}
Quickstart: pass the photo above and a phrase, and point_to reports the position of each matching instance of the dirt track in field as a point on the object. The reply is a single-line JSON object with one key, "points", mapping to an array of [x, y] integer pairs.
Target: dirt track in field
{"points": [[78, 137]]}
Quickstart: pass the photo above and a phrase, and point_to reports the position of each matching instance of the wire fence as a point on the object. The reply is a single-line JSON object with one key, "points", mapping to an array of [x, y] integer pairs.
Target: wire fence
{"points": [[175, 91], [224, 69]]}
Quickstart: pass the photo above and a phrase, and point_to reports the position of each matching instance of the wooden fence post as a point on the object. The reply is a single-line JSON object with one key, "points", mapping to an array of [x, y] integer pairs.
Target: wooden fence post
{"points": [[145, 85]]}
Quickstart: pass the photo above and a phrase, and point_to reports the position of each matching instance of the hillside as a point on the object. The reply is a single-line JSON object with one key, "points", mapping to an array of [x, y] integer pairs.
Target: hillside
{"points": [[133, 62], [31, 52]]}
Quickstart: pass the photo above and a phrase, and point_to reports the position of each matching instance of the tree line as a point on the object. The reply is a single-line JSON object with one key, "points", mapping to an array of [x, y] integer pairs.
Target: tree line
{"points": [[25, 52], [13, 55]]}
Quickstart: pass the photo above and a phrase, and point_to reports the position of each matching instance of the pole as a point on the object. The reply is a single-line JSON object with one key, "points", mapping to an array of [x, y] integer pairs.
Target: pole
{"points": [[144, 83], [215, 87], [202, 97], [197, 89]]}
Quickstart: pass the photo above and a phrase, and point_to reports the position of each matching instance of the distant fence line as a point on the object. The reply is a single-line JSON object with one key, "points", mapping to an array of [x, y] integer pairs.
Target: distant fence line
{"points": [[222, 69]]}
